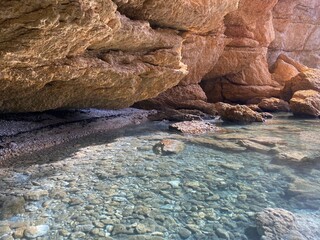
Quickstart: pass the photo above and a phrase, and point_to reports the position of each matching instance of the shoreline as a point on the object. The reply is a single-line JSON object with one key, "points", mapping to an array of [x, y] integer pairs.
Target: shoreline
{"points": [[30, 132]]}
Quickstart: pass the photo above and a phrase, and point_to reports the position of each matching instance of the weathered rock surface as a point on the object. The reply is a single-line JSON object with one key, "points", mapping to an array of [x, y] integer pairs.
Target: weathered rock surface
{"points": [[286, 68], [274, 105], [194, 127], [242, 71], [237, 113], [281, 224], [297, 30], [306, 80], [112, 54], [306, 103], [82, 54]]}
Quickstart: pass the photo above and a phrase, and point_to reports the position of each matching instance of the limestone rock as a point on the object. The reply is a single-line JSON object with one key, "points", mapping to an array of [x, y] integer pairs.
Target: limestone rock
{"points": [[237, 113], [284, 69], [306, 80], [306, 103], [297, 29], [274, 105], [53, 58]]}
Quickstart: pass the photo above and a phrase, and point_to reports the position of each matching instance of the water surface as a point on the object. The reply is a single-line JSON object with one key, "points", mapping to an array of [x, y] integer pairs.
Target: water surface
{"points": [[114, 186]]}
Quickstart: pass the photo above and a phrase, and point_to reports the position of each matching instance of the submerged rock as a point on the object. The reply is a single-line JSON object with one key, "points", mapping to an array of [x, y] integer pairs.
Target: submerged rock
{"points": [[194, 127], [169, 146], [36, 231], [276, 223], [238, 113], [12, 206]]}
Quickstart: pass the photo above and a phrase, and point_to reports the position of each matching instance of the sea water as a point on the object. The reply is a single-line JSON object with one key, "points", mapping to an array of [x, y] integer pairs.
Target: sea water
{"points": [[116, 186]]}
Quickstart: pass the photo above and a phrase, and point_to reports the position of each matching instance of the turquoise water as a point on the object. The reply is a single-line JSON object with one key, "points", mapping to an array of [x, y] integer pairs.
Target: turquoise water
{"points": [[116, 187]]}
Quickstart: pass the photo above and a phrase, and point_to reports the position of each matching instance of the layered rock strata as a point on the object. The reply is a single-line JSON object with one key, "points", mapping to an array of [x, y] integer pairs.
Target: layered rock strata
{"points": [[297, 31], [112, 54]]}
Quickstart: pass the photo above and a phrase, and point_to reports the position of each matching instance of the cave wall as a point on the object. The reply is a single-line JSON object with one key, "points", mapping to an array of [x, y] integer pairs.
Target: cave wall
{"points": [[297, 31], [112, 54]]}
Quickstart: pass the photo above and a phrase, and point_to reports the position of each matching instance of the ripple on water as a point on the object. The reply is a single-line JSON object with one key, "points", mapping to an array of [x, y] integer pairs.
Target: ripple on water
{"points": [[117, 187]]}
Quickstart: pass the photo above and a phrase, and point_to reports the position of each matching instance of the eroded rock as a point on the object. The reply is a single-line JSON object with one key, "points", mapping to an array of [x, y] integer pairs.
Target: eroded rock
{"points": [[237, 113], [194, 127], [306, 103], [274, 105]]}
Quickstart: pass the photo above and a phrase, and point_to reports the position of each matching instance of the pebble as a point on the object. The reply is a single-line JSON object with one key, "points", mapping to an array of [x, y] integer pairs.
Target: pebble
{"points": [[184, 233], [36, 231], [116, 190]]}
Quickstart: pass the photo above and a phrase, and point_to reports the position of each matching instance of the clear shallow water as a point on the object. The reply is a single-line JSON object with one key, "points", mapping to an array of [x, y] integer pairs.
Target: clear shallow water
{"points": [[117, 187]]}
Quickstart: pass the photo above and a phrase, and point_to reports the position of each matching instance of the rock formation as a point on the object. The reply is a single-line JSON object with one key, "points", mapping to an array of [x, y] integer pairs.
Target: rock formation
{"points": [[114, 53], [297, 31]]}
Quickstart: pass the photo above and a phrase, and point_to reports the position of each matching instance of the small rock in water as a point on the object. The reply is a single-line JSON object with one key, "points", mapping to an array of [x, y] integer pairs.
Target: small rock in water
{"points": [[184, 233], [35, 195], [168, 146], [222, 233], [12, 206], [194, 127], [36, 231]]}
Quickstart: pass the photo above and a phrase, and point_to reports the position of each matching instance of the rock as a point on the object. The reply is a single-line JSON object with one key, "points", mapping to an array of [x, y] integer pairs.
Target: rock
{"points": [[35, 195], [184, 233], [284, 69], [121, 229], [274, 105], [5, 231], [303, 189], [237, 113], [306, 103], [177, 115], [84, 228], [296, 31], [218, 144], [12, 206], [294, 156], [254, 146], [169, 146], [194, 127], [221, 233], [110, 55], [275, 223], [266, 115], [306, 80], [36, 231]]}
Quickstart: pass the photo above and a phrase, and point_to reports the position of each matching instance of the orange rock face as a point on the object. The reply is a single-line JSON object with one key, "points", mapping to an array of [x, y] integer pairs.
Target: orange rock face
{"points": [[242, 70], [297, 31], [114, 53], [306, 102]]}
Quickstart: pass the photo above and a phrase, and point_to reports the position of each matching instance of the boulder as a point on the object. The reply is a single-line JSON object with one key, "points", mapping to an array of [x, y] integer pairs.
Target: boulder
{"points": [[237, 113], [274, 105], [284, 69], [306, 103], [306, 80], [276, 223]]}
